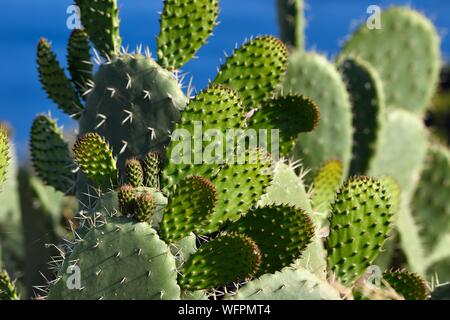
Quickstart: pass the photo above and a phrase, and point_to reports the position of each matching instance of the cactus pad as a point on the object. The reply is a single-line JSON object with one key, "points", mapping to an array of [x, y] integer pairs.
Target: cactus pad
{"points": [[359, 225], [134, 105], [80, 61], [190, 207], [51, 156], [219, 262], [215, 109], [291, 115], [55, 82], [101, 20], [135, 174], [119, 260], [255, 70], [185, 27], [406, 53], [94, 156], [280, 232], [407, 284], [287, 284], [152, 170], [367, 98]]}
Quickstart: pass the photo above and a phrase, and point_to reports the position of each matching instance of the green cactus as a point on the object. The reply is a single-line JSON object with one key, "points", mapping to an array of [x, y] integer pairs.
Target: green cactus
{"points": [[407, 284], [367, 98], [405, 52]]}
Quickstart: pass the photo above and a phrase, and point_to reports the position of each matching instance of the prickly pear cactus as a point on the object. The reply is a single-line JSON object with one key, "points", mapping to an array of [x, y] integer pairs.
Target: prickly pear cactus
{"points": [[405, 52], [7, 289], [4, 154]]}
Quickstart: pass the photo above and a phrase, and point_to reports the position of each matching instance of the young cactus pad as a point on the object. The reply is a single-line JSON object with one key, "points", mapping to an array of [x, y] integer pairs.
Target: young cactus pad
{"points": [[360, 223], [4, 154]]}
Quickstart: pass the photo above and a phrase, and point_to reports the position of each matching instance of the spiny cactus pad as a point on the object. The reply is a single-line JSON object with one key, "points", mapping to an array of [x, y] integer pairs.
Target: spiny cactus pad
{"points": [[145, 207], [240, 185], [287, 284], [55, 82], [193, 147], [134, 105], [190, 207], [104, 258], [367, 98], [4, 154], [152, 170], [291, 115], [219, 262], [405, 52], [135, 174], [51, 156], [332, 139], [255, 69], [326, 182], [7, 288], [359, 225], [185, 27], [94, 156], [80, 61], [431, 198], [409, 285], [280, 232], [101, 20]]}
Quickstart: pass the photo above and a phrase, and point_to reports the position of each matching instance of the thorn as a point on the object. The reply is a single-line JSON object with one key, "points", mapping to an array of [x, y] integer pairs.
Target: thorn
{"points": [[112, 90], [152, 133], [125, 145], [129, 81], [147, 95], [102, 122], [129, 117]]}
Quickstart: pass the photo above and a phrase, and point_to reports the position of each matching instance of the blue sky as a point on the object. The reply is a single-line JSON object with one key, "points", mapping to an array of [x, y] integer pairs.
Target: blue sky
{"points": [[24, 21]]}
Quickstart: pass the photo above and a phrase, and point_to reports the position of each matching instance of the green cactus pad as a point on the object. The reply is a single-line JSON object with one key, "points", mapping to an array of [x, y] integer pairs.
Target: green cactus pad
{"points": [[51, 156], [431, 198], [134, 105], [367, 98], [401, 151], [119, 260], [190, 208], [291, 115], [292, 22], [94, 156], [4, 154], [55, 82], [255, 70], [7, 289], [214, 110], [332, 139], [287, 284], [185, 27], [406, 53], [145, 207], [152, 170], [326, 182], [80, 61], [281, 233], [101, 20], [135, 174], [219, 262], [240, 185], [127, 199], [409, 285], [359, 225]]}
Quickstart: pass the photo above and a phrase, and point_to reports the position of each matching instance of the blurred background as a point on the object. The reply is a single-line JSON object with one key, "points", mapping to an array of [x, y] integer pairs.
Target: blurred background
{"points": [[24, 21]]}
